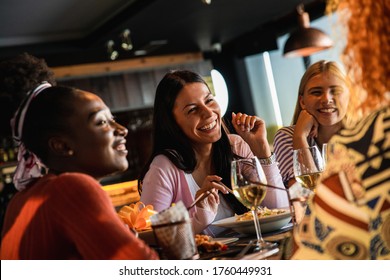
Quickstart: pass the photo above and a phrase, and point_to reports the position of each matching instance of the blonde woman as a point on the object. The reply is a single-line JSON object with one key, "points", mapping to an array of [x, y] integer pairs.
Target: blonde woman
{"points": [[321, 111]]}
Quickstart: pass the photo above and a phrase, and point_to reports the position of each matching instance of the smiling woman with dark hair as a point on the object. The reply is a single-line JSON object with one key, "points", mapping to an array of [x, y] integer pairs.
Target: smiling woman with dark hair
{"points": [[192, 152]]}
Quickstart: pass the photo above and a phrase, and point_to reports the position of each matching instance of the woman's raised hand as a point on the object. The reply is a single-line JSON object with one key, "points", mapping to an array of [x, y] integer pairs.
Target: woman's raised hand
{"points": [[254, 131], [306, 126], [249, 126]]}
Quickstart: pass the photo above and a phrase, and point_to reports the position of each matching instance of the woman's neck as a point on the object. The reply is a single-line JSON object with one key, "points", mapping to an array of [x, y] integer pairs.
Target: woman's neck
{"points": [[204, 166], [203, 154]]}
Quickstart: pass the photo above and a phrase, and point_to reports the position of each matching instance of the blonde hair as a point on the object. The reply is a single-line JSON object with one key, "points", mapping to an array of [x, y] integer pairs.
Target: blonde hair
{"points": [[320, 67], [367, 52]]}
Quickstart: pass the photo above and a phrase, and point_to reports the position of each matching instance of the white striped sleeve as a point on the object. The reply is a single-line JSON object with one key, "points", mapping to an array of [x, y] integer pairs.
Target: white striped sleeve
{"points": [[283, 148]]}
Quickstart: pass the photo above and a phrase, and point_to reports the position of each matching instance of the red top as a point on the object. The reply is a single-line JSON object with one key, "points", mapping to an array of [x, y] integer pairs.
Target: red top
{"points": [[67, 217]]}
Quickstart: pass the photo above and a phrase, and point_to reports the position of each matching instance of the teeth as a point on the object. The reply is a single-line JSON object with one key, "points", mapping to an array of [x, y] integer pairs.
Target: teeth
{"points": [[121, 147], [209, 126], [329, 110]]}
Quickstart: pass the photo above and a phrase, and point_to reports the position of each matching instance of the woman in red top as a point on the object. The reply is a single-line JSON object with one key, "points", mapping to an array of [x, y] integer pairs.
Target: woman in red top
{"points": [[68, 141]]}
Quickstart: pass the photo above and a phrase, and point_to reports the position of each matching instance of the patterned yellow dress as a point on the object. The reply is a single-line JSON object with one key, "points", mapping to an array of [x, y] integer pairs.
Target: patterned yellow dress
{"points": [[349, 215]]}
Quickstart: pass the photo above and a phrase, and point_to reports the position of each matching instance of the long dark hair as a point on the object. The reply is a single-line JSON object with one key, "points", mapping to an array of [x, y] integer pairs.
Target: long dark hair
{"points": [[169, 140]]}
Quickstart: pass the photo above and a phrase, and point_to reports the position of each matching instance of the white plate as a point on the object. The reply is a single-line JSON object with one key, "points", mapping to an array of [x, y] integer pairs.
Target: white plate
{"points": [[267, 223], [225, 240]]}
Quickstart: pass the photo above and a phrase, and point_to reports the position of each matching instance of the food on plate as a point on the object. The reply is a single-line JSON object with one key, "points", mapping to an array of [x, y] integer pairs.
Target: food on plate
{"points": [[264, 212], [205, 244]]}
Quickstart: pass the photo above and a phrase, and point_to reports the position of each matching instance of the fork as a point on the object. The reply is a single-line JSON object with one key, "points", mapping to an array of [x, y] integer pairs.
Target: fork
{"points": [[206, 194]]}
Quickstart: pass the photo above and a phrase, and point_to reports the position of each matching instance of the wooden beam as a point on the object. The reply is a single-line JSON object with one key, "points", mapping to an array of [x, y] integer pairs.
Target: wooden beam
{"points": [[102, 68]]}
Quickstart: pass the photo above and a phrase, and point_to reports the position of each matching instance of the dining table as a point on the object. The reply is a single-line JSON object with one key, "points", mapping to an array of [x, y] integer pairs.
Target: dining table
{"points": [[233, 237], [283, 249], [238, 247]]}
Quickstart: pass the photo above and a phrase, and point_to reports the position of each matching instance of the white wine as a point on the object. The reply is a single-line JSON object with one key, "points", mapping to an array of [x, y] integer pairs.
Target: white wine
{"points": [[251, 195], [308, 181]]}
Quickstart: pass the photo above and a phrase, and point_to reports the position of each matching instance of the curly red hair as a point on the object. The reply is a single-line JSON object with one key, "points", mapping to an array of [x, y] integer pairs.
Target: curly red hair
{"points": [[366, 55]]}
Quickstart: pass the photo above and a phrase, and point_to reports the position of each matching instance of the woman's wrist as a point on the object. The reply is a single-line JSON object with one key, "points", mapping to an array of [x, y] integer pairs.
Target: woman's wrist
{"points": [[268, 160], [300, 142], [261, 150]]}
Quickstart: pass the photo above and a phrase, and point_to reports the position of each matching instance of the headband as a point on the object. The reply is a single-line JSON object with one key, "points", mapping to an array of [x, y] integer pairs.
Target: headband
{"points": [[29, 165]]}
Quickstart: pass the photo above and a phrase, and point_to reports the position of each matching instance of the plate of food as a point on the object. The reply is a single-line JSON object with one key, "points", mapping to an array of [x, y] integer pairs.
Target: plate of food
{"points": [[207, 244], [270, 220]]}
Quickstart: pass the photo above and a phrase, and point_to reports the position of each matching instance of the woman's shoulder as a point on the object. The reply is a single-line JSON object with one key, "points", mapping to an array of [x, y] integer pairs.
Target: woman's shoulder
{"points": [[162, 160], [70, 181], [235, 139], [76, 177], [285, 130], [239, 146], [284, 135], [70, 188], [161, 164]]}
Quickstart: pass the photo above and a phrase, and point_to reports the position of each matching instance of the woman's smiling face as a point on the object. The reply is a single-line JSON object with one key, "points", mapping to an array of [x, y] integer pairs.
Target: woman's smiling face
{"points": [[198, 114], [99, 142], [326, 97]]}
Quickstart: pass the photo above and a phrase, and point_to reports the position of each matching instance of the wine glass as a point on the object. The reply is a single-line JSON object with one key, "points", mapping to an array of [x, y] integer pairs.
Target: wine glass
{"points": [[325, 151], [328, 150], [250, 187], [308, 165]]}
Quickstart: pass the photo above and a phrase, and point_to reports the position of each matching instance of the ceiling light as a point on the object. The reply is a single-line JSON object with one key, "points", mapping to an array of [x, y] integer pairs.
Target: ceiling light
{"points": [[126, 44], [306, 40], [112, 53]]}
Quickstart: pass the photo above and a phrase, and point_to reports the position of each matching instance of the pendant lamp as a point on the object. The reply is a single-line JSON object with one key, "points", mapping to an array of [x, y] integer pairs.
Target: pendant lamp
{"points": [[306, 40]]}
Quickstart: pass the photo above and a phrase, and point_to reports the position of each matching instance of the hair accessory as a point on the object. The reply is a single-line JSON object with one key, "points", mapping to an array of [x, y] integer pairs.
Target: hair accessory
{"points": [[29, 165], [18, 119]]}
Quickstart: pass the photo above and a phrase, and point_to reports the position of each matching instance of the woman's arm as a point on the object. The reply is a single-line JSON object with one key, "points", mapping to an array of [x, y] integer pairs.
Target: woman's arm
{"points": [[253, 130], [86, 216], [165, 184], [283, 147], [274, 198]]}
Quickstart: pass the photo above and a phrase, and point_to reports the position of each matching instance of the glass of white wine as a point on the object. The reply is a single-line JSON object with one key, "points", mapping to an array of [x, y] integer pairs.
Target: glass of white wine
{"points": [[250, 187], [308, 165]]}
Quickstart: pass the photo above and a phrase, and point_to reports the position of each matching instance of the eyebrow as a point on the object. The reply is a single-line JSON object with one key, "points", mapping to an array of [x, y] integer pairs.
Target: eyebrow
{"points": [[314, 88], [193, 104], [92, 114], [333, 86]]}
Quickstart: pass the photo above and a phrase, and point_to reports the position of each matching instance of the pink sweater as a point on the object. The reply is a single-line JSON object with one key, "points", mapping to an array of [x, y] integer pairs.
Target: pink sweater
{"points": [[67, 217], [165, 184]]}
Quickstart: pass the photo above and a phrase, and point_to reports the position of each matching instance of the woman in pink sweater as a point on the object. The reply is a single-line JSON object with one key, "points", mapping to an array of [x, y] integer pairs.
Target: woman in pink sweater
{"points": [[192, 152], [68, 141]]}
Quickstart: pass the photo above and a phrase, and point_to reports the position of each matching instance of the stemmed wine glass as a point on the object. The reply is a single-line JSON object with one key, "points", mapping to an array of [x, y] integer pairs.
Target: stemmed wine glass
{"points": [[250, 186], [328, 149], [308, 165]]}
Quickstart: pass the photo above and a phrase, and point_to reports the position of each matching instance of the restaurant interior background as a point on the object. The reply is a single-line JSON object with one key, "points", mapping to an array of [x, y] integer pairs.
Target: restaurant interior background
{"points": [[243, 40]]}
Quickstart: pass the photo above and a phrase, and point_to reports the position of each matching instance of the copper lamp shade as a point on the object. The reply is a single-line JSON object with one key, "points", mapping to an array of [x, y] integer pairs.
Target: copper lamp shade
{"points": [[306, 40]]}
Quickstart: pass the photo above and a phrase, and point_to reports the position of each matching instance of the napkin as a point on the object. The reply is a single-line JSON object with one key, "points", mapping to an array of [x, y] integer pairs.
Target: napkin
{"points": [[174, 234], [178, 212]]}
